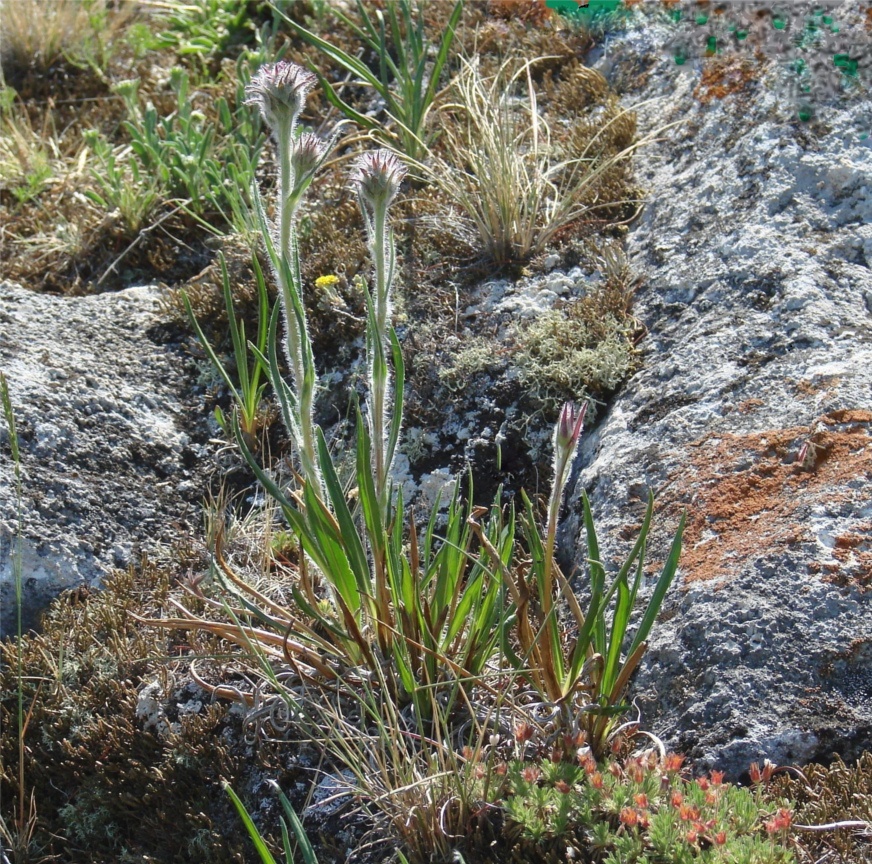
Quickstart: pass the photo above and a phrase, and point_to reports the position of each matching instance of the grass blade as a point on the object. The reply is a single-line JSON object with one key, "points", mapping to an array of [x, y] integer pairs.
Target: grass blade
{"points": [[266, 856]]}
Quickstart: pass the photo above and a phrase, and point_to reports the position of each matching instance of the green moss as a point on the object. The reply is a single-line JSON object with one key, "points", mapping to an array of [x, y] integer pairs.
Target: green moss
{"points": [[479, 355]]}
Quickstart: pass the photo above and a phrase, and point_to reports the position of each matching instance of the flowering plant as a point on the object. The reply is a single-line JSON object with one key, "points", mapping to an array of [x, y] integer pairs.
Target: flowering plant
{"points": [[579, 674]]}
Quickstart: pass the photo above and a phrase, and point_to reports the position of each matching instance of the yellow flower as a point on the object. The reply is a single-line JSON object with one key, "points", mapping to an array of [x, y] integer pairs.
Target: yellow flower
{"points": [[326, 282]]}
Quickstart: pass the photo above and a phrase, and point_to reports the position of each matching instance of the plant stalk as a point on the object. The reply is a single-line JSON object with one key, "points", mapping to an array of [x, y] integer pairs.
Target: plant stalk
{"points": [[292, 297], [378, 384]]}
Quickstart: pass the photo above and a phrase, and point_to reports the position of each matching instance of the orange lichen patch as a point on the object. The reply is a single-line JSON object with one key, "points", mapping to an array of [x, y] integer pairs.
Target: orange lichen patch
{"points": [[869, 19], [853, 551], [724, 76], [805, 387], [749, 405], [749, 496]]}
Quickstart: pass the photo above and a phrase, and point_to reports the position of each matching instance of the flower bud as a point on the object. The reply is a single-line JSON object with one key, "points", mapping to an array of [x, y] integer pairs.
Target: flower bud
{"points": [[279, 90], [377, 177], [568, 429], [307, 153]]}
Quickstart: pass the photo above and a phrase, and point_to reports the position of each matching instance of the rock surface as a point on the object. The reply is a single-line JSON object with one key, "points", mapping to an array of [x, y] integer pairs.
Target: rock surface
{"points": [[113, 455], [752, 412]]}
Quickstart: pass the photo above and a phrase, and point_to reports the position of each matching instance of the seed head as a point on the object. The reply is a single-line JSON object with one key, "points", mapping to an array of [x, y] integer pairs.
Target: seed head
{"points": [[377, 176], [279, 90]]}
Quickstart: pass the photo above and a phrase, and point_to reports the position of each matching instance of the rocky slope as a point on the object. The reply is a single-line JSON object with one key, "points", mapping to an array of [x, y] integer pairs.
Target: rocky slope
{"points": [[752, 411]]}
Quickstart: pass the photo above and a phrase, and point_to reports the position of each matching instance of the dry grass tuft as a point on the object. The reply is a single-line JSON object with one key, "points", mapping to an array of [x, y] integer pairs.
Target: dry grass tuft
{"points": [[519, 177], [37, 34]]}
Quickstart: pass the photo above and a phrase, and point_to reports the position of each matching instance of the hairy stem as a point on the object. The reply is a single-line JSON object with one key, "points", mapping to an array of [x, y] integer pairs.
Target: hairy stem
{"points": [[292, 297], [378, 384]]}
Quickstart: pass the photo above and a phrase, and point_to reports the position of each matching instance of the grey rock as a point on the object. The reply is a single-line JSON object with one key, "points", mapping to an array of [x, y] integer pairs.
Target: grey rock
{"points": [[752, 412], [112, 447]]}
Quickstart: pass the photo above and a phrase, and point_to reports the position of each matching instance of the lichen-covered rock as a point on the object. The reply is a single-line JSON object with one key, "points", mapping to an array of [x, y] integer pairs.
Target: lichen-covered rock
{"points": [[752, 412], [113, 451]]}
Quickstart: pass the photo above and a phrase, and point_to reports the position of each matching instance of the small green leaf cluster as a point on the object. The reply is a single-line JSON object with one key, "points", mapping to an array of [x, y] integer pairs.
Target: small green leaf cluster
{"points": [[205, 166], [251, 371], [204, 29]]}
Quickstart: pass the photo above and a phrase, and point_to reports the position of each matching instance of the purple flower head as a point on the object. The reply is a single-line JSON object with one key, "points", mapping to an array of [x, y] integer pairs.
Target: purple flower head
{"points": [[377, 176], [279, 90]]}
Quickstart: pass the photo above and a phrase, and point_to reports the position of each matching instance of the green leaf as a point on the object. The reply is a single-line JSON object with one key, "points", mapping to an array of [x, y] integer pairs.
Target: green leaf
{"points": [[620, 619], [326, 537], [399, 387], [305, 845], [353, 546], [597, 577], [338, 102], [337, 55], [266, 856], [663, 583], [210, 352], [366, 487], [442, 56]]}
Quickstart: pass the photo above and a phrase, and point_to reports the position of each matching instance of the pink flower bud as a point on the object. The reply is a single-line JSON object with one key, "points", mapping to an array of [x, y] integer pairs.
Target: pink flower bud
{"points": [[307, 154], [569, 426], [279, 90]]}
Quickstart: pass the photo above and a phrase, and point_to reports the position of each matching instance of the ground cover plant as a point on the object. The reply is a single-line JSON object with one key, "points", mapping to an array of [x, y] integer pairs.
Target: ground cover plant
{"points": [[460, 693]]}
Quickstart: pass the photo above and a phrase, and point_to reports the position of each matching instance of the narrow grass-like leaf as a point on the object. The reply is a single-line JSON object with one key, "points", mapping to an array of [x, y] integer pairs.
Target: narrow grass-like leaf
{"points": [[207, 347], [304, 844], [399, 386], [665, 580], [266, 856], [442, 54], [597, 575], [351, 539]]}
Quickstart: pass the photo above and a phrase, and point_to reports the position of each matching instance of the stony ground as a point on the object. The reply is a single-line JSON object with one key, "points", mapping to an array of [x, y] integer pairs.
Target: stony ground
{"points": [[750, 412]]}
